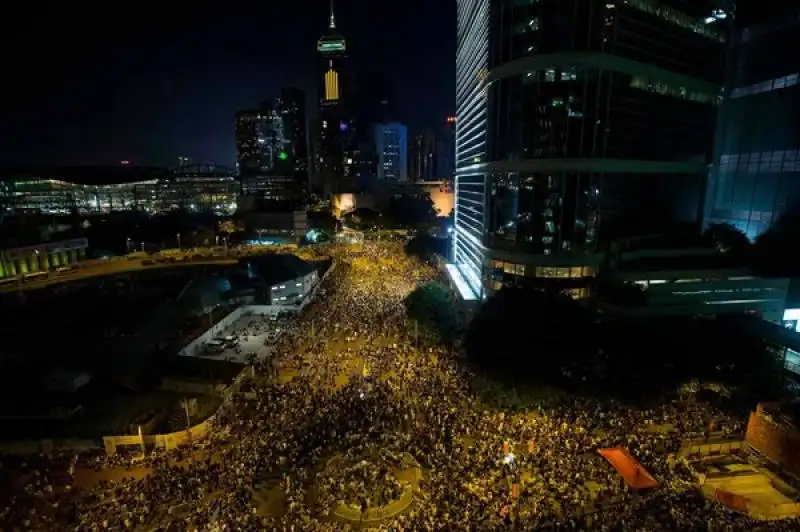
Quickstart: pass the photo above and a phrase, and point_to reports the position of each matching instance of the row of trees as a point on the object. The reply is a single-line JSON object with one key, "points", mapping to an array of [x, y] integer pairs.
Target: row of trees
{"points": [[532, 336], [402, 211], [772, 253], [546, 338]]}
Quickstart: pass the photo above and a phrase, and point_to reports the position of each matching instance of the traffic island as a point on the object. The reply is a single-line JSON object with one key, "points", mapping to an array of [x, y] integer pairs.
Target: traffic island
{"points": [[368, 489]]}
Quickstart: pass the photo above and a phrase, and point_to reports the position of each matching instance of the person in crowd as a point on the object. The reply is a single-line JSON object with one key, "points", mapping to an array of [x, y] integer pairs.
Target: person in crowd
{"points": [[483, 468]]}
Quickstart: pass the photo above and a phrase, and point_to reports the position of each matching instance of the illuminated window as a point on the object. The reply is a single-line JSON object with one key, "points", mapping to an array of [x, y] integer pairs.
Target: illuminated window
{"points": [[331, 85], [659, 87], [678, 18]]}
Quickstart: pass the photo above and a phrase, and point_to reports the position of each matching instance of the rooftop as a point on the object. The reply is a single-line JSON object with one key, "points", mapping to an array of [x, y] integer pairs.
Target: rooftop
{"points": [[83, 175], [278, 267]]}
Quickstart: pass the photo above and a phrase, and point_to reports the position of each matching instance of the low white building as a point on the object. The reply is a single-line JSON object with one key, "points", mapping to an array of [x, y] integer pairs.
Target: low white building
{"points": [[287, 279]]}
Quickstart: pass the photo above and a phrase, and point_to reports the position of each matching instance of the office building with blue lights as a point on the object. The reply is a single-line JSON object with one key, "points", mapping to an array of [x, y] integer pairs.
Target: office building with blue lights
{"points": [[579, 122], [391, 149], [756, 178]]}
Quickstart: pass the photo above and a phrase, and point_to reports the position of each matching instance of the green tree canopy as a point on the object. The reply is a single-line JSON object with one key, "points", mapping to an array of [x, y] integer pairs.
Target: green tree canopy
{"points": [[727, 238], [323, 220], [363, 219], [530, 334], [431, 306], [774, 252], [423, 247], [411, 211]]}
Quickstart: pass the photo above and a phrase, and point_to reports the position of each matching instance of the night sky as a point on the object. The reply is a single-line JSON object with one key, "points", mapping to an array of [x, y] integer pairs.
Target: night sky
{"points": [[100, 83]]}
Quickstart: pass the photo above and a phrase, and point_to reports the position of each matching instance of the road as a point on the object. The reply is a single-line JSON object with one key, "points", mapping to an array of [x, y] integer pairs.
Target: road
{"points": [[107, 267]]}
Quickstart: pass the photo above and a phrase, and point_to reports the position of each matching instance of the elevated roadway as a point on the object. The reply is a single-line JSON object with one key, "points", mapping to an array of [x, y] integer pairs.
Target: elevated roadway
{"points": [[106, 267]]}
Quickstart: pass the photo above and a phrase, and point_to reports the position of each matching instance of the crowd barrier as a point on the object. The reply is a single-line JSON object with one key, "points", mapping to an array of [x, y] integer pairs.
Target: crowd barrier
{"points": [[167, 441], [374, 516], [173, 440], [707, 449]]}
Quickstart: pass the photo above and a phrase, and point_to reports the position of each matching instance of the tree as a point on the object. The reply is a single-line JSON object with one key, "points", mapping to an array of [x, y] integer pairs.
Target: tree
{"points": [[531, 335], [227, 227], [727, 238], [431, 306], [411, 211], [323, 220], [423, 246], [363, 219], [774, 250]]}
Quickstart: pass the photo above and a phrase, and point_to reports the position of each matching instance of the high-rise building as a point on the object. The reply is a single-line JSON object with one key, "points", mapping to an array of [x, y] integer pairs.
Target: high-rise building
{"points": [[292, 107], [251, 149], [332, 122], [446, 150], [423, 156], [391, 149], [756, 177], [578, 122], [272, 150]]}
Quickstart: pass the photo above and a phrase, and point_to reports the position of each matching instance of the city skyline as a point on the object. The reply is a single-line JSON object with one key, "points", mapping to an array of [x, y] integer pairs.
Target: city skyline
{"points": [[149, 90]]}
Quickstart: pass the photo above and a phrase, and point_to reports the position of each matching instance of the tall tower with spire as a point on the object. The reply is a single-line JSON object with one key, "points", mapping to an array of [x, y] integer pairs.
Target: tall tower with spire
{"points": [[333, 98]]}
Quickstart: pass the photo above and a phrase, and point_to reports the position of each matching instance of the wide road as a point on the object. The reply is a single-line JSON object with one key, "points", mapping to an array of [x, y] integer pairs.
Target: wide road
{"points": [[354, 381]]}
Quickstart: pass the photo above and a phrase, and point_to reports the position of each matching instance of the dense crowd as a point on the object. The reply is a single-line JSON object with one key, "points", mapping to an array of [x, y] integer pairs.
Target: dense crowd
{"points": [[351, 379]]}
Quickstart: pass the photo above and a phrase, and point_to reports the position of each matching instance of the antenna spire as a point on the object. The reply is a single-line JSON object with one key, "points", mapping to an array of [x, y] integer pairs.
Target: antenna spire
{"points": [[333, 18]]}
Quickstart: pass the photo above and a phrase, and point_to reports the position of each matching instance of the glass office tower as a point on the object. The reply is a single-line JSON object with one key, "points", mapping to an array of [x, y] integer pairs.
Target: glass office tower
{"points": [[756, 177], [579, 122]]}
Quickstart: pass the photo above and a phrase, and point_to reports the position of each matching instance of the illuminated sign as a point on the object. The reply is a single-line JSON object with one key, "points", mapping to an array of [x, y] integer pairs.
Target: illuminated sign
{"points": [[331, 85], [331, 46], [283, 156]]}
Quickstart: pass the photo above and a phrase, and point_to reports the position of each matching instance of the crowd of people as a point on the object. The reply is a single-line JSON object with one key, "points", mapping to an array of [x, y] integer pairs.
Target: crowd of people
{"points": [[352, 379], [361, 477]]}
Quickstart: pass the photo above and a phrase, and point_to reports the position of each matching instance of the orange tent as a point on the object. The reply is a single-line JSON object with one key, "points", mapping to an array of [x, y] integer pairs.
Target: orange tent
{"points": [[629, 468]]}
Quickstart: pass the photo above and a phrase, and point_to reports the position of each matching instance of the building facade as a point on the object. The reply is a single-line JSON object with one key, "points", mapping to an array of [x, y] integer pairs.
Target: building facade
{"points": [[756, 176], [61, 191], [253, 152], [19, 263], [446, 150], [332, 123], [272, 149], [391, 149], [578, 122], [423, 156], [292, 107]]}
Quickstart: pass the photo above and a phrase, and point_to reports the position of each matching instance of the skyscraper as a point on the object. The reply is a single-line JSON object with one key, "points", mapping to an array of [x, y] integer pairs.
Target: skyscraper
{"points": [[578, 122], [271, 149], [756, 178], [422, 152], [391, 148], [445, 150], [292, 107], [331, 123], [250, 147]]}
